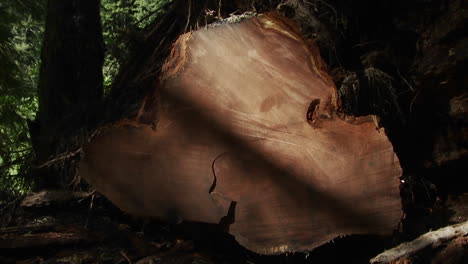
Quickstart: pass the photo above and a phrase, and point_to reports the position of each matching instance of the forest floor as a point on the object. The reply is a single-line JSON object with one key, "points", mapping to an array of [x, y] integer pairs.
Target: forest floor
{"points": [[76, 227]]}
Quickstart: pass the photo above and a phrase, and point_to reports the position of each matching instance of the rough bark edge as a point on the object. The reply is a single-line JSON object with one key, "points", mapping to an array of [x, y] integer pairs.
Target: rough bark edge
{"points": [[176, 61], [431, 238]]}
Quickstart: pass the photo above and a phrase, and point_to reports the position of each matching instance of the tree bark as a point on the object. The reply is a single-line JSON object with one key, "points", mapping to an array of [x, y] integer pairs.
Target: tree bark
{"points": [[70, 85]]}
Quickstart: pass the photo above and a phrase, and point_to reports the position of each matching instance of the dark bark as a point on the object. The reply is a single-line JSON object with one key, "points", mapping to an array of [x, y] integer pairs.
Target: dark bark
{"points": [[70, 85]]}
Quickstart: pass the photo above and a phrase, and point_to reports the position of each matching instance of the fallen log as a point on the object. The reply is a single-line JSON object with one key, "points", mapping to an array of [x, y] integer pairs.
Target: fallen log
{"points": [[248, 134], [47, 239], [433, 238]]}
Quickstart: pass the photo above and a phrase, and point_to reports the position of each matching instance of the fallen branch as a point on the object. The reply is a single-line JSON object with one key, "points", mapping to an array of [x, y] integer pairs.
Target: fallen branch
{"points": [[429, 239]]}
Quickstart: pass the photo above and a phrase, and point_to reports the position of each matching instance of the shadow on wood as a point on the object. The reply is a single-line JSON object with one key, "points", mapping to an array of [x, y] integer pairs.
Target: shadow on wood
{"points": [[248, 125]]}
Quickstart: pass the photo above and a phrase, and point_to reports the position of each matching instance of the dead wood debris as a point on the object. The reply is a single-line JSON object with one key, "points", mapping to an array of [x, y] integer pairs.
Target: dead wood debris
{"points": [[57, 227], [433, 238]]}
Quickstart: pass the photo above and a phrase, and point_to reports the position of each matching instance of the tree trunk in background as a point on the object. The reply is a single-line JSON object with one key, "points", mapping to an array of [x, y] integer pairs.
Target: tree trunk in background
{"points": [[70, 85]]}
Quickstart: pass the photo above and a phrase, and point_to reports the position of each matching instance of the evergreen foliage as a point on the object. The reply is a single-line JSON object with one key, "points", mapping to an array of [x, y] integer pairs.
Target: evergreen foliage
{"points": [[122, 20], [21, 32], [21, 29]]}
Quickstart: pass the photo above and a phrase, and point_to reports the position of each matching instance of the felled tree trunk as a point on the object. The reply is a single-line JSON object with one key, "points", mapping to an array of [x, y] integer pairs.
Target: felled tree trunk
{"points": [[248, 134]]}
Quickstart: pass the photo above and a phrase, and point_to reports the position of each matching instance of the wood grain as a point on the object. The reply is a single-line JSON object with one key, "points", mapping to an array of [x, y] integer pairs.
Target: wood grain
{"points": [[247, 113]]}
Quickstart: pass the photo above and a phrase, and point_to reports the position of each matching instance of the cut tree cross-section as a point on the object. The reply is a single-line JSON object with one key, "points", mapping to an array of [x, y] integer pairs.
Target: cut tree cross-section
{"points": [[248, 125]]}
